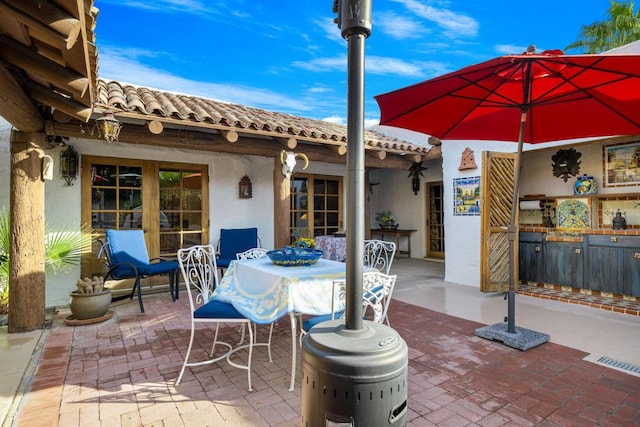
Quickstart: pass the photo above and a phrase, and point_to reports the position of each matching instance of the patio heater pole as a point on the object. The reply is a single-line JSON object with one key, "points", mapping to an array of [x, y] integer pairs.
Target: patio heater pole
{"points": [[354, 19]]}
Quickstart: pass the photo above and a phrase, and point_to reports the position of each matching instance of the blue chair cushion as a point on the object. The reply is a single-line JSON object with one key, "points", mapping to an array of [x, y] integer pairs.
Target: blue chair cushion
{"points": [[129, 246], [161, 267], [233, 241], [313, 321], [215, 309]]}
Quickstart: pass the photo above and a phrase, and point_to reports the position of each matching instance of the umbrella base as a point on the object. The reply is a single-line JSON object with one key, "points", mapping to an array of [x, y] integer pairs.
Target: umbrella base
{"points": [[522, 339]]}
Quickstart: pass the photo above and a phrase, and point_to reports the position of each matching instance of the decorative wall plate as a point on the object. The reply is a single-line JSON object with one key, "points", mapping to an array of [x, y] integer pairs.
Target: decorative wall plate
{"points": [[574, 213]]}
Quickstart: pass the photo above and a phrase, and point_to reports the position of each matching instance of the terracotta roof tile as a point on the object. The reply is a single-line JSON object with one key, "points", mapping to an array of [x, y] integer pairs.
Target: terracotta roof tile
{"points": [[155, 104]]}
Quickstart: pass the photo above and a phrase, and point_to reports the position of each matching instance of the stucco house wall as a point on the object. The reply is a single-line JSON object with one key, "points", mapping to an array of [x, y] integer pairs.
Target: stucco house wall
{"points": [[226, 209]]}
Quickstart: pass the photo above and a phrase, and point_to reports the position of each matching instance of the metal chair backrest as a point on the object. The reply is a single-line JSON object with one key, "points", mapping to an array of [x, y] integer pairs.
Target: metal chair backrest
{"points": [[379, 254], [377, 288], [200, 273], [252, 253], [376, 292]]}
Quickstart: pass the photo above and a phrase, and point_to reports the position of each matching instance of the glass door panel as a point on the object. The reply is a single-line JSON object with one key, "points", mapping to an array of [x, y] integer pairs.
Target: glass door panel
{"points": [[435, 220], [322, 201]]}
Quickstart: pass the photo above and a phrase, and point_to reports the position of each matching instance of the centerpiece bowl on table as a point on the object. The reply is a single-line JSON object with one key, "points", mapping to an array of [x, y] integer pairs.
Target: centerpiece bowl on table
{"points": [[294, 256]]}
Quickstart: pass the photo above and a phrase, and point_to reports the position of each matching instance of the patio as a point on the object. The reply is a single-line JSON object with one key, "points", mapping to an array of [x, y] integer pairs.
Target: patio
{"points": [[121, 372]]}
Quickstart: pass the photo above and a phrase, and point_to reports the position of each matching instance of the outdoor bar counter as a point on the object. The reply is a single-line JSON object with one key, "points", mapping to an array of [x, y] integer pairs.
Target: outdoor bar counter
{"points": [[601, 260]]}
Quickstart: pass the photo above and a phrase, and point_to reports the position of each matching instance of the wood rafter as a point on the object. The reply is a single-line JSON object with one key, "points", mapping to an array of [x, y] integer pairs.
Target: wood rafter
{"points": [[207, 141]]}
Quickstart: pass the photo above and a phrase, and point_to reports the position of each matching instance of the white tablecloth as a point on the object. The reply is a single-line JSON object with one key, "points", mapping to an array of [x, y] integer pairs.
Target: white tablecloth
{"points": [[334, 248], [265, 292]]}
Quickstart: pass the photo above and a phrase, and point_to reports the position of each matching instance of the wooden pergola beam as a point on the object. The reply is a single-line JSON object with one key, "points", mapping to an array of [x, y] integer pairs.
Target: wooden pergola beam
{"points": [[288, 143], [246, 145], [59, 102], [16, 106], [45, 21], [59, 76]]}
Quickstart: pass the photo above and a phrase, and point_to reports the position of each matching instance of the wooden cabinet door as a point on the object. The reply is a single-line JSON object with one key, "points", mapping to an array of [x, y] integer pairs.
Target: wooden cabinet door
{"points": [[631, 271], [604, 269], [531, 261], [564, 264]]}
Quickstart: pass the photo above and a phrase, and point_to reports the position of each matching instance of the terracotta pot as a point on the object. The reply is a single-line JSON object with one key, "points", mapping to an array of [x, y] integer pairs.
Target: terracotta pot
{"points": [[89, 306]]}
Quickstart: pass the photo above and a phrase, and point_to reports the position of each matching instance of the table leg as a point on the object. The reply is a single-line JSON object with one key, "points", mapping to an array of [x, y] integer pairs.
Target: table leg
{"points": [[294, 330]]}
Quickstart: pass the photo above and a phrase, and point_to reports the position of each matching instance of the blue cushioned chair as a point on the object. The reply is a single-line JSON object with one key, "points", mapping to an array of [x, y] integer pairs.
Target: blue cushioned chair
{"points": [[200, 273], [127, 258], [233, 241]]}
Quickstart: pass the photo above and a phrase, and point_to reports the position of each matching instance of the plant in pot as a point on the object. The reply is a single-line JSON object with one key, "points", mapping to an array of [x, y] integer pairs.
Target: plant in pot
{"points": [[91, 300], [63, 249], [386, 220]]}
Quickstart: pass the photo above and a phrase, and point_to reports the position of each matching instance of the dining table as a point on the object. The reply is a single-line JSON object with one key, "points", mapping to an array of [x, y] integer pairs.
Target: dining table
{"points": [[265, 292]]}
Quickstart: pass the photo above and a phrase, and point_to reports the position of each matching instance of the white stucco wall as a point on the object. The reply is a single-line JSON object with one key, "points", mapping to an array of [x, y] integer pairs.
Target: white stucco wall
{"points": [[393, 192], [462, 233]]}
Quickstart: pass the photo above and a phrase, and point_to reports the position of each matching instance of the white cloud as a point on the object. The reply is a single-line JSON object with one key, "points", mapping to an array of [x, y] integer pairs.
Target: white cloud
{"points": [[509, 49], [455, 24], [335, 120], [398, 27], [115, 66], [373, 65]]}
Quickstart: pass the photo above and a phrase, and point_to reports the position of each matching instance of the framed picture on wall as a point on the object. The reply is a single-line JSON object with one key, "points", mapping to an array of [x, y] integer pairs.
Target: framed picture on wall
{"points": [[466, 196], [621, 164]]}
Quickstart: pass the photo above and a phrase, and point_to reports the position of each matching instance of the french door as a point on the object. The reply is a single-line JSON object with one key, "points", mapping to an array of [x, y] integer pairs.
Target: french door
{"points": [[435, 220], [169, 201], [316, 205]]}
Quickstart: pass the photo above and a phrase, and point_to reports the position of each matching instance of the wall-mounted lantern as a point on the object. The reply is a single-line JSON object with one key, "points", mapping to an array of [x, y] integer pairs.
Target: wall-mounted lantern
{"points": [[69, 165], [245, 190], [108, 126]]}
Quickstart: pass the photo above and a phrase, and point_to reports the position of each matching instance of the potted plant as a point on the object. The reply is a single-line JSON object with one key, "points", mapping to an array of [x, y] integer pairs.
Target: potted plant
{"points": [[63, 249], [91, 300], [386, 220]]}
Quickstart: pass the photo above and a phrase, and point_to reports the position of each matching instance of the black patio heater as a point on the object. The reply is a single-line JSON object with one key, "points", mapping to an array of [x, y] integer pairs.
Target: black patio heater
{"points": [[354, 370]]}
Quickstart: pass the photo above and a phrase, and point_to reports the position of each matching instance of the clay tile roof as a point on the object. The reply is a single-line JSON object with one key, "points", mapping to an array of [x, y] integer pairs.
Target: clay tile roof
{"points": [[155, 104]]}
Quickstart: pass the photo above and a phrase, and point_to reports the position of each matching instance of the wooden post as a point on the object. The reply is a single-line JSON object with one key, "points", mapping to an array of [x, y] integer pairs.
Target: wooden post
{"points": [[282, 207], [26, 217]]}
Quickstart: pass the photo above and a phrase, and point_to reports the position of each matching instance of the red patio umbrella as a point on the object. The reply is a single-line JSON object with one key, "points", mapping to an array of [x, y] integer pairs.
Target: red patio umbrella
{"points": [[529, 98]]}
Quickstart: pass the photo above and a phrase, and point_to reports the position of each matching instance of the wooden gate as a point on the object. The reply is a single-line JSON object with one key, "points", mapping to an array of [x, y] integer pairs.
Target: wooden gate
{"points": [[498, 176]]}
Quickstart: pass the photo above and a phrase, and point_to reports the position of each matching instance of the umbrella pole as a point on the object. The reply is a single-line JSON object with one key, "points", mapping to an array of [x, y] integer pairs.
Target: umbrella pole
{"points": [[512, 233], [520, 338]]}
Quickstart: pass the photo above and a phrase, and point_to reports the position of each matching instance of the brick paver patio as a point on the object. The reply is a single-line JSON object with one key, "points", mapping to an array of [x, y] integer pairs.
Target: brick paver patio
{"points": [[121, 373]]}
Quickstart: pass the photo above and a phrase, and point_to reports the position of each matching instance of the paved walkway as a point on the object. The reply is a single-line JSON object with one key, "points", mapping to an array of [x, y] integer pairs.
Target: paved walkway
{"points": [[121, 373]]}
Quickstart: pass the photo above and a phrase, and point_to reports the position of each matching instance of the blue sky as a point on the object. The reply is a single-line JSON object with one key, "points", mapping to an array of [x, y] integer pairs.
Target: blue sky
{"points": [[288, 55]]}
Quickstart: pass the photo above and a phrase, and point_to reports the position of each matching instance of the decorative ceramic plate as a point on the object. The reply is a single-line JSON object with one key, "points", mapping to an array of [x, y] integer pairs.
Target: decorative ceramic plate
{"points": [[293, 257], [574, 213]]}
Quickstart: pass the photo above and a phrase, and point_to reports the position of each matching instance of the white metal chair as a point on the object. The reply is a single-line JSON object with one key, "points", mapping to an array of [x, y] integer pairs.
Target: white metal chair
{"points": [[200, 273], [380, 255], [377, 288], [252, 253]]}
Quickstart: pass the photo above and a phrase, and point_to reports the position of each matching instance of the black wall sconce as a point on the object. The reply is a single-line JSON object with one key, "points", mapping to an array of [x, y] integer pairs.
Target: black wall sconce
{"points": [[245, 190], [69, 165]]}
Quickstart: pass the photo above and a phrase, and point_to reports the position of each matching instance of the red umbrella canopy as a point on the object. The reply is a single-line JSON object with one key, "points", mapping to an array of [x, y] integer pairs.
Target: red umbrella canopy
{"points": [[563, 96]]}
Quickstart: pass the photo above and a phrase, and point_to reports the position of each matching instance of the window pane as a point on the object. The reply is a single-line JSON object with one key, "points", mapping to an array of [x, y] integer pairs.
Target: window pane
{"points": [[333, 203], [192, 221], [192, 200], [103, 175], [130, 176]]}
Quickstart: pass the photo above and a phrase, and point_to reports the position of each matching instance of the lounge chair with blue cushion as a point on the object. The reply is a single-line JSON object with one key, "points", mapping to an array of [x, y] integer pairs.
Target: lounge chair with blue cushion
{"points": [[127, 258]]}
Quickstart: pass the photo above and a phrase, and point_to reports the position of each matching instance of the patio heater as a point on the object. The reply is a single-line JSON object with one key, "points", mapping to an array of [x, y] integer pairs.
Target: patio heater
{"points": [[354, 370]]}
